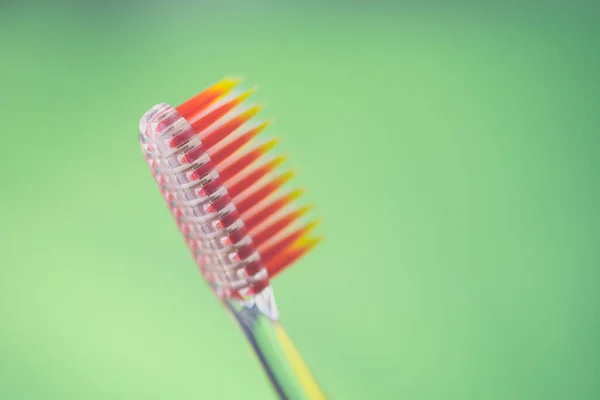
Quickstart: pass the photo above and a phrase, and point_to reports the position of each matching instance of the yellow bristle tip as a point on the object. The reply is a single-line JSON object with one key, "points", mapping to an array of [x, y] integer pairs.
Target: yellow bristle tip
{"points": [[277, 161], [308, 243], [302, 240], [268, 145], [304, 210], [311, 225], [286, 176], [253, 110], [258, 128], [226, 84], [244, 95], [294, 194]]}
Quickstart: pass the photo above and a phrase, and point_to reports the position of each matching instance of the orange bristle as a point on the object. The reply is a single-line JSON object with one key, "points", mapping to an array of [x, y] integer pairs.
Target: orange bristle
{"points": [[228, 127], [253, 177], [203, 99], [247, 202], [226, 151], [290, 255], [261, 215], [268, 252], [207, 120], [276, 227], [245, 161]]}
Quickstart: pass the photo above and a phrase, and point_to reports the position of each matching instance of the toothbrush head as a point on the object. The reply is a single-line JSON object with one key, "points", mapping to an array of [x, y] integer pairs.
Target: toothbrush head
{"points": [[222, 190]]}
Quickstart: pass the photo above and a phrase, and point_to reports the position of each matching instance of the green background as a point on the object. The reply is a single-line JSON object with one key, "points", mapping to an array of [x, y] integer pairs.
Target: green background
{"points": [[452, 153]]}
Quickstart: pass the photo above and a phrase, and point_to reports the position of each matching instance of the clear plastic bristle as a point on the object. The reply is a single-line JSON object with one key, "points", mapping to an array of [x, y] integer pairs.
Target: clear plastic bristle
{"points": [[223, 198]]}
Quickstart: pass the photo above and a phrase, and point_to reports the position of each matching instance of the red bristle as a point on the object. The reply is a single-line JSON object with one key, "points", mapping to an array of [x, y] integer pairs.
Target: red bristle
{"points": [[203, 99], [230, 218], [246, 251], [200, 171], [209, 188], [228, 127], [197, 103], [207, 120], [230, 148], [181, 138], [258, 287], [218, 204], [244, 161], [236, 236], [266, 211], [238, 165], [253, 268], [218, 224], [232, 294], [253, 177], [247, 202], [268, 252], [278, 264], [192, 155], [276, 226]]}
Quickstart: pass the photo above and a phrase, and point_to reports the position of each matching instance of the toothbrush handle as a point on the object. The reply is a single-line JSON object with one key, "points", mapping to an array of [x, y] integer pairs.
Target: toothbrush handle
{"points": [[290, 377]]}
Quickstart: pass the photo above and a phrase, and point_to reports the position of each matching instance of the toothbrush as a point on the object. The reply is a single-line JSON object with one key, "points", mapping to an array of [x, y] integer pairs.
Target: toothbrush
{"points": [[240, 231]]}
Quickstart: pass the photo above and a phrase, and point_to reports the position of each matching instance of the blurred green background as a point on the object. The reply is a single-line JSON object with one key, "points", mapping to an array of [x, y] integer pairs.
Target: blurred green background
{"points": [[452, 153]]}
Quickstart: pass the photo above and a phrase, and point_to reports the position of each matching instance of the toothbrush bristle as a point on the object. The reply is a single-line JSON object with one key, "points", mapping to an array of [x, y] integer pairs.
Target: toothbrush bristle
{"points": [[255, 219], [284, 260], [226, 151], [207, 120], [251, 178], [254, 198], [240, 232], [277, 226], [245, 160], [220, 133], [281, 245], [200, 101]]}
